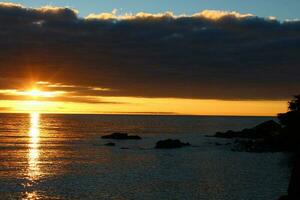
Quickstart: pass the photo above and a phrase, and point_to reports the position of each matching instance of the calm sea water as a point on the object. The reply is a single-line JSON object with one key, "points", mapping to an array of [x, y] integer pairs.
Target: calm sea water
{"points": [[46, 156]]}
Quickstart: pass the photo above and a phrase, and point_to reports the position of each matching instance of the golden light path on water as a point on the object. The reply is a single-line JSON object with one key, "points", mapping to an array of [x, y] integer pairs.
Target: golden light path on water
{"points": [[33, 154]]}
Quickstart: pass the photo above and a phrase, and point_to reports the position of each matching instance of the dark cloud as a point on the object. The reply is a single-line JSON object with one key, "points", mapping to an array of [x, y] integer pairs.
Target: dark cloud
{"points": [[210, 55], [67, 98]]}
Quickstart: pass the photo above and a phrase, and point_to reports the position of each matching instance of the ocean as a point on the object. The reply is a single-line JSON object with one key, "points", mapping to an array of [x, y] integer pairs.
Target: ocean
{"points": [[56, 156]]}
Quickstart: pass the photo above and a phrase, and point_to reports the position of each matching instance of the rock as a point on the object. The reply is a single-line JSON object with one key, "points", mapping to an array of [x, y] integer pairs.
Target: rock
{"points": [[264, 130], [270, 125], [121, 136], [227, 134], [264, 137], [170, 144], [268, 128], [293, 190], [110, 144]]}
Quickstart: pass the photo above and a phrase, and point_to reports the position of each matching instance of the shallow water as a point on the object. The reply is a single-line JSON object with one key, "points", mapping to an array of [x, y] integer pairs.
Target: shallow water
{"points": [[46, 156]]}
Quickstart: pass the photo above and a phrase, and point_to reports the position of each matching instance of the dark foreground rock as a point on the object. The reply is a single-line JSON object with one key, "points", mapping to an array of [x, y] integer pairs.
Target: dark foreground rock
{"points": [[294, 185], [293, 190], [264, 130], [170, 144], [121, 136], [284, 198]]}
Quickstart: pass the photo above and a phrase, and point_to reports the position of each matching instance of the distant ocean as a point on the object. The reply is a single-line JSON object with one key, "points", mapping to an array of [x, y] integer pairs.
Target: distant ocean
{"points": [[46, 156]]}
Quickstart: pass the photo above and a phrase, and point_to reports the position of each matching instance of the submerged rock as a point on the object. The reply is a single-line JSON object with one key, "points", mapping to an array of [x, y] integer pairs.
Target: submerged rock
{"points": [[170, 144], [121, 136]]}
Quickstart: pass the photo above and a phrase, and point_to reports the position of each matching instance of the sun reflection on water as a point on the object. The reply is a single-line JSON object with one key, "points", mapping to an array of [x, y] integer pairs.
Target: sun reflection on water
{"points": [[33, 172], [34, 153]]}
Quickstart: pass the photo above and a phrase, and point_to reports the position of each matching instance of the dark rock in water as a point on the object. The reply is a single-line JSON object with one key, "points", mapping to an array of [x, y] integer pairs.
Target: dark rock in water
{"points": [[218, 144], [110, 144], [124, 148], [121, 136], [264, 130], [170, 144]]}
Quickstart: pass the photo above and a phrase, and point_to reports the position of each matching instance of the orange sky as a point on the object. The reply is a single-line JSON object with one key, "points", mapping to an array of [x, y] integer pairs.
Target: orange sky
{"points": [[42, 99]]}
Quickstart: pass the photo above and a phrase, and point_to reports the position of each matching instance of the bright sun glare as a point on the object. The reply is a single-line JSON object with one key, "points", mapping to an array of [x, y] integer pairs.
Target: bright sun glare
{"points": [[39, 93], [35, 93]]}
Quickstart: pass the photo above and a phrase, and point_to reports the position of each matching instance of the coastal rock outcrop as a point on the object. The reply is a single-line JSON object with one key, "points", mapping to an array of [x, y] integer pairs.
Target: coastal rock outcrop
{"points": [[264, 130], [121, 136], [170, 144], [265, 137]]}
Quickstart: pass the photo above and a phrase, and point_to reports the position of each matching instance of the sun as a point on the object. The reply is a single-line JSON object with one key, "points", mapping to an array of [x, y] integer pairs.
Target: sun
{"points": [[36, 93]]}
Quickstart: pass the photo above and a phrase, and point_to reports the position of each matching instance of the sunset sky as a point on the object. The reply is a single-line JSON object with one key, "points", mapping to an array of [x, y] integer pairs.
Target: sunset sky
{"points": [[217, 57]]}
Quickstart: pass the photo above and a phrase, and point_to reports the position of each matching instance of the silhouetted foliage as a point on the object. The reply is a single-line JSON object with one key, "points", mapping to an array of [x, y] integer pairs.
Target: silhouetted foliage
{"points": [[294, 104]]}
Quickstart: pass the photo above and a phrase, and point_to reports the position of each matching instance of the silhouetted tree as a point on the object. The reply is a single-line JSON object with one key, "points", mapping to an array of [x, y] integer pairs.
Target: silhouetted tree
{"points": [[294, 104]]}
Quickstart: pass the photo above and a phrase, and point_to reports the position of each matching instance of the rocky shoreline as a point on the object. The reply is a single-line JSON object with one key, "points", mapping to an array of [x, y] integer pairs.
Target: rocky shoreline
{"points": [[265, 137]]}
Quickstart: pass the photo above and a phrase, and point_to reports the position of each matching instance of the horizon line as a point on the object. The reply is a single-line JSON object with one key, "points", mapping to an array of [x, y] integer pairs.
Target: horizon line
{"points": [[141, 114]]}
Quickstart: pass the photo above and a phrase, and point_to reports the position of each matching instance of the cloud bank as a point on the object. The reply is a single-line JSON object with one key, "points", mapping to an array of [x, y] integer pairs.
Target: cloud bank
{"points": [[207, 55]]}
